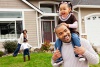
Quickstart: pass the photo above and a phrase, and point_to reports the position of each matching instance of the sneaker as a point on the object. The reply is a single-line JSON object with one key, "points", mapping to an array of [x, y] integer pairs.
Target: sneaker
{"points": [[14, 55], [81, 59], [57, 64], [59, 60]]}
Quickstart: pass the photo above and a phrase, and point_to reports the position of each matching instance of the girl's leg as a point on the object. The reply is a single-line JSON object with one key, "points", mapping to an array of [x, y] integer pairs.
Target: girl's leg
{"points": [[28, 57], [58, 45], [75, 40], [24, 58], [24, 54]]}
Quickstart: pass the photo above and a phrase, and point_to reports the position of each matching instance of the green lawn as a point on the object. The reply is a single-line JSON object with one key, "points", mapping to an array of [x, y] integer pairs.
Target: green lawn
{"points": [[37, 60]]}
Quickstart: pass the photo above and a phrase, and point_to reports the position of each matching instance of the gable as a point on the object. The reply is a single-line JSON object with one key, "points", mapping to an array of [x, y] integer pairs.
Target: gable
{"points": [[16, 4]]}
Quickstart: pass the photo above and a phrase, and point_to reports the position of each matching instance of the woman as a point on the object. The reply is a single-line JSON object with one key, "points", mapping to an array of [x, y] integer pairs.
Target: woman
{"points": [[23, 36]]}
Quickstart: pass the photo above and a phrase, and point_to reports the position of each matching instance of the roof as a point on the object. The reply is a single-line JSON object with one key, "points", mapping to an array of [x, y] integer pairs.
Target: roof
{"points": [[86, 2], [34, 7], [76, 4], [86, 6]]}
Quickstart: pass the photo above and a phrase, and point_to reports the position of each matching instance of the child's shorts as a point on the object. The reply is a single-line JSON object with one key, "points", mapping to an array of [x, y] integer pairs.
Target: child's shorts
{"points": [[26, 52]]}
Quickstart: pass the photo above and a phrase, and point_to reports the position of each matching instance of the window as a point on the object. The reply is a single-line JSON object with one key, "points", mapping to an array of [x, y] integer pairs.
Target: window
{"points": [[48, 8], [10, 29], [10, 14]]}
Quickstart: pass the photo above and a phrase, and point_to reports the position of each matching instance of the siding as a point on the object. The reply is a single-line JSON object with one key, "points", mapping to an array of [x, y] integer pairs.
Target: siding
{"points": [[85, 12], [16, 4], [30, 25], [35, 3], [1, 45]]}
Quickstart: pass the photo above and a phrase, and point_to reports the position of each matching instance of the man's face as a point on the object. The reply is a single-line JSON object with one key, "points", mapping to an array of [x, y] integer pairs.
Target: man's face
{"points": [[63, 33]]}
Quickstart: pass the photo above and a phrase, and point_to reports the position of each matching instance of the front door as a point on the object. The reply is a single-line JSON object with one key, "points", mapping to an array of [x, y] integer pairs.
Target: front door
{"points": [[48, 30]]}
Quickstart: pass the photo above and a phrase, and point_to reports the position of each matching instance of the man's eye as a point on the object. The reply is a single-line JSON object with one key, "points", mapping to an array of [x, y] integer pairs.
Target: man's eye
{"points": [[60, 33], [65, 30]]}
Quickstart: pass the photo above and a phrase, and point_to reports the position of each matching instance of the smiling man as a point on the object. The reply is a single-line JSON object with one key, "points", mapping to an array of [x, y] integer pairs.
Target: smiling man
{"points": [[69, 59]]}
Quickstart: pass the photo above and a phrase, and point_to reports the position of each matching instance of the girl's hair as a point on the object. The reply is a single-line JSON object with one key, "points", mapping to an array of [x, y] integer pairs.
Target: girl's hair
{"points": [[24, 30], [67, 2]]}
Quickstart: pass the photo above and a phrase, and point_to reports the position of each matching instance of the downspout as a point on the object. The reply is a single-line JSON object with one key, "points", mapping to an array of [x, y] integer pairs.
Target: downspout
{"points": [[79, 20], [37, 29]]}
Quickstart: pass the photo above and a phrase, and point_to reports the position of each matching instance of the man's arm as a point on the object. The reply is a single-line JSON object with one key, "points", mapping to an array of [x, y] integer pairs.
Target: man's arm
{"points": [[87, 51], [90, 54]]}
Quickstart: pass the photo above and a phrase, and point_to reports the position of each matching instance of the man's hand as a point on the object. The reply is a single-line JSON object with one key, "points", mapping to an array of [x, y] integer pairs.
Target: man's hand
{"points": [[79, 50], [56, 55]]}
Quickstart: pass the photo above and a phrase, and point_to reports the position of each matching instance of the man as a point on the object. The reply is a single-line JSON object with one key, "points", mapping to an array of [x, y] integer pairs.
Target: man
{"points": [[69, 59]]}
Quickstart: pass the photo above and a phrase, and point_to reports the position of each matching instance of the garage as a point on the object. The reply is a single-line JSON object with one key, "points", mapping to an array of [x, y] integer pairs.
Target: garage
{"points": [[92, 28]]}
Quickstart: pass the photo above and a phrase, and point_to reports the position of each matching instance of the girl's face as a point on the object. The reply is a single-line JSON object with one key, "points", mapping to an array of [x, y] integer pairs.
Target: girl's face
{"points": [[25, 32], [64, 10]]}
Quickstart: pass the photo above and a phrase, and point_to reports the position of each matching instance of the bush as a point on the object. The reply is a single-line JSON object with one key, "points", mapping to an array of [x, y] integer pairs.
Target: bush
{"points": [[1, 53], [45, 46], [10, 46]]}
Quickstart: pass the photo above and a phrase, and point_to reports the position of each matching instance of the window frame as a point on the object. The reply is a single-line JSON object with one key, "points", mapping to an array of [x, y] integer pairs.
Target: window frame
{"points": [[13, 19]]}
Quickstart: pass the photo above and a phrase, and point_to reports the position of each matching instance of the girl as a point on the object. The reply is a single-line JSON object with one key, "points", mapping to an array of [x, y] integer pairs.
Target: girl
{"points": [[25, 47]]}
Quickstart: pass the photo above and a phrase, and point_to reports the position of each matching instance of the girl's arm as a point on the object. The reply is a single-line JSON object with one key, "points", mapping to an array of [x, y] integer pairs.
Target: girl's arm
{"points": [[74, 25]]}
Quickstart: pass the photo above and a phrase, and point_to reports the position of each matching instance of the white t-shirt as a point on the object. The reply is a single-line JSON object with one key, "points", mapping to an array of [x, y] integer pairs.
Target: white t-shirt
{"points": [[25, 45]]}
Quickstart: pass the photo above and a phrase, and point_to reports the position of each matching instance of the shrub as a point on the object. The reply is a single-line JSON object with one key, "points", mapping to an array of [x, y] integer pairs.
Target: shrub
{"points": [[45, 46], [37, 50], [10, 46], [1, 53]]}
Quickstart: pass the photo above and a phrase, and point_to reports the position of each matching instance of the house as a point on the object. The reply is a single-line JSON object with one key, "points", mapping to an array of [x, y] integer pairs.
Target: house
{"points": [[88, 13], [40, 17]]}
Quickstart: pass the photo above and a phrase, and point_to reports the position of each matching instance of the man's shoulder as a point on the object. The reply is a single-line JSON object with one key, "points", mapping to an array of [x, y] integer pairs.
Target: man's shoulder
{"points": [[83, 40]]}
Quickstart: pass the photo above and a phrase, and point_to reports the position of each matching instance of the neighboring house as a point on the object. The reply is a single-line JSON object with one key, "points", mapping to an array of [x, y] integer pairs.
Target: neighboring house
{"points": [[40, 17], [88, 13]]}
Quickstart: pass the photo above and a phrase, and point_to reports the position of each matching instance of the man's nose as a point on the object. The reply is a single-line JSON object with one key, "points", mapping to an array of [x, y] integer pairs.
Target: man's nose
{"points": [[64, 34]]}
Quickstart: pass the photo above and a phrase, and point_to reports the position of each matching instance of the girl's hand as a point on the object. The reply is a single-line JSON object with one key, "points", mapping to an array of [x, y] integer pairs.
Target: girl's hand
{"points": [[79, 50], [67, 25], [56, 55]]}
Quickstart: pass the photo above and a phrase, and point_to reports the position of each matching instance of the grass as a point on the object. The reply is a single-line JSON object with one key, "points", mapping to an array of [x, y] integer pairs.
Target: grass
{"points": [[37, 60]]}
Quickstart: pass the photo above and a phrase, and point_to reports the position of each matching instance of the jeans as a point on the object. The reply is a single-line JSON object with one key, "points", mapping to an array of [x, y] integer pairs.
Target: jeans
{"points": [[26, 52], [75, 42], [58, 45], [17, 50]]}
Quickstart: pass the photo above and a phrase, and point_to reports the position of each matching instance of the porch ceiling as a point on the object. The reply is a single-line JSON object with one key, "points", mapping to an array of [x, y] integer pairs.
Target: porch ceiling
{"points": [[51, 0]]}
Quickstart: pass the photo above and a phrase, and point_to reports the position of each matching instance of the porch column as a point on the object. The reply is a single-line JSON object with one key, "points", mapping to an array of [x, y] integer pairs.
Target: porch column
{"points": [[79, 21]]}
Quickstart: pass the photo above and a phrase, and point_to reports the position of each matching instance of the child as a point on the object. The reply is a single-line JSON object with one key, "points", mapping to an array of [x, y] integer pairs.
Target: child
{"points": [[67, 18], [25, 46]]}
